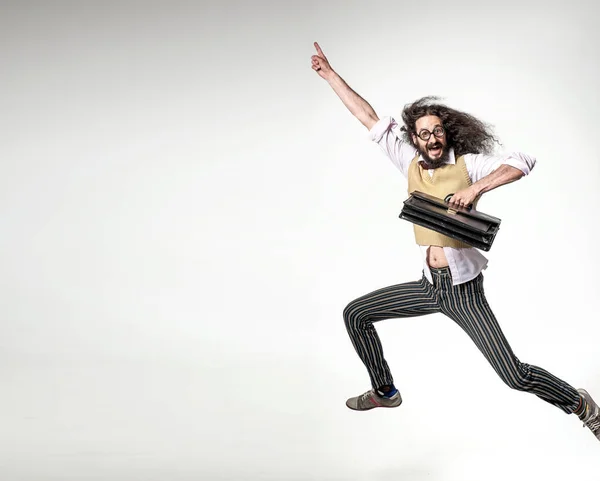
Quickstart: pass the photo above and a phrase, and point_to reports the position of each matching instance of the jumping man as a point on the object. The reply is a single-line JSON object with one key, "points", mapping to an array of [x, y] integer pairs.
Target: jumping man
{"points": [[441, 151]]}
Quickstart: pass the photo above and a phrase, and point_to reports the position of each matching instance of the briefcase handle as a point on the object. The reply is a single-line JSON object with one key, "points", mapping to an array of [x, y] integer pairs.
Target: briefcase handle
{"points": [[449, 196]]}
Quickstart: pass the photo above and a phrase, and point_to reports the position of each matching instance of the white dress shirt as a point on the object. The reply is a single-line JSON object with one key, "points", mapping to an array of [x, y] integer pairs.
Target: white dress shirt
{"points": [[465, 263]]}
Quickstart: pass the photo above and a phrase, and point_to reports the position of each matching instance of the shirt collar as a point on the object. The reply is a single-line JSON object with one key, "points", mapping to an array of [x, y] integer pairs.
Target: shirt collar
{"points": [[451, 159]]}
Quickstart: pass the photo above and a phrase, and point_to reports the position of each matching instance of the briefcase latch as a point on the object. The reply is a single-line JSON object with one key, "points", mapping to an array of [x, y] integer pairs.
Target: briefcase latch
{"points": [[450, 211]]}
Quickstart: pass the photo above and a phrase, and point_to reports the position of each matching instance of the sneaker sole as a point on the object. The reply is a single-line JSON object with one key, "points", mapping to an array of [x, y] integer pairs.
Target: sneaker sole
{"points": [[373, 407]]}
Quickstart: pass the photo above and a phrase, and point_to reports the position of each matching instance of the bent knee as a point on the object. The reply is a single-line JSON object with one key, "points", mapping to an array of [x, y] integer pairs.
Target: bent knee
{"points": [[517, 384], [352, 310], [354, 316], [517, 380]]}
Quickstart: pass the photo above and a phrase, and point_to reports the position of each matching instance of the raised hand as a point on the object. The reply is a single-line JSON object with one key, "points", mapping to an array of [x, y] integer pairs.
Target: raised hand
{"points": [[358, 106], [320, 64]]}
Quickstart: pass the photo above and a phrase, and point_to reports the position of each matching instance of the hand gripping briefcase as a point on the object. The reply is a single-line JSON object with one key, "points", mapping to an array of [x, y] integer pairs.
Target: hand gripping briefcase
{"points": [[462, 223]]}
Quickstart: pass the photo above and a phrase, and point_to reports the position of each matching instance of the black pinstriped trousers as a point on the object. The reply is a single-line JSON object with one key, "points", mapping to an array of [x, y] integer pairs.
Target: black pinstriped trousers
{"points": [[467, 306]]}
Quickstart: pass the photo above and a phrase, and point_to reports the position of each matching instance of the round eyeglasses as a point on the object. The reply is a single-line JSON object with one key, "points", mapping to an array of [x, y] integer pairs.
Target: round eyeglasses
{"points": [[425, 134]]}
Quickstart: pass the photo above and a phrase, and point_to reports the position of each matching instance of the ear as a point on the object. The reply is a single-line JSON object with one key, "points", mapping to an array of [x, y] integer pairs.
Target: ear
{"points": [[414, 139]]}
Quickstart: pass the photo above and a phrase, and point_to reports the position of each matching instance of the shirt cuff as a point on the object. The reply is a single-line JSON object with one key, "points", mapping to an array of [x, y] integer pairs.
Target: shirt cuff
{"points": [[381, 127]]}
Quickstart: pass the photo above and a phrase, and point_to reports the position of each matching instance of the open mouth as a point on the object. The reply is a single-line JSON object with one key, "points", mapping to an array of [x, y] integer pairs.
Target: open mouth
{"points": [[435, 150]]}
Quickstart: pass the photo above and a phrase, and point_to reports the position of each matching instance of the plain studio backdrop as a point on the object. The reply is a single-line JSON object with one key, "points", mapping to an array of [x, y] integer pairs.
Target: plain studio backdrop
{"points": [[187, 208]]}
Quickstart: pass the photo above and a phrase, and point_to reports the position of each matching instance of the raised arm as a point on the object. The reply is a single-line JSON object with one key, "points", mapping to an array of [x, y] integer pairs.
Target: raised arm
{"points": [[358, 106]]}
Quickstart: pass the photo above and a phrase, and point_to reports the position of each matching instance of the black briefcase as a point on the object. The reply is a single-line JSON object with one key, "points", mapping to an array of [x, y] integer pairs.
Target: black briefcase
{"points": [[462, 223]]}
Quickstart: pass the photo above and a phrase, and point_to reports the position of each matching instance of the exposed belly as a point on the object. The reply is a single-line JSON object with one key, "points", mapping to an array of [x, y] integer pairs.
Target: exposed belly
{"points": [[436, 257]]}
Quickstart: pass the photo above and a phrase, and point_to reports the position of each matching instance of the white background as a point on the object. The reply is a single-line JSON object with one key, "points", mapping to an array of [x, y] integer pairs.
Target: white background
{"points": [[186, 208]]}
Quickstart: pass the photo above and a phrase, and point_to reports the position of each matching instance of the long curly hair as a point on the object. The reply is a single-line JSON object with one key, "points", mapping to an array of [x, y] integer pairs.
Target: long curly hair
{"points": [[465, 133]]}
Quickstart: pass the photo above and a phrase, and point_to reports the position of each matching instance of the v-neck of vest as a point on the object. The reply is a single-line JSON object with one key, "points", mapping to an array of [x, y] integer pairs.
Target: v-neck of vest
{"points": [[428, 178]]}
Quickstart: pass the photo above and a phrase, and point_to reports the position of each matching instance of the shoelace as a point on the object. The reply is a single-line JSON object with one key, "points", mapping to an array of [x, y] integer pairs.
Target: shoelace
{"points": [[367, 395]]}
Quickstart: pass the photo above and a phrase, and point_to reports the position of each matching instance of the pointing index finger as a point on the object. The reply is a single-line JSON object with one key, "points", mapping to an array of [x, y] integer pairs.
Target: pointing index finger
{"points": [[319, 51]]}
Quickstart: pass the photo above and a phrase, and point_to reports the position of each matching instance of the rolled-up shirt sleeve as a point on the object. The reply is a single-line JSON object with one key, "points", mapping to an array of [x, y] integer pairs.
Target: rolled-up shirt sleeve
{"points": [[479, 165], [525, 163], [387, 135]]}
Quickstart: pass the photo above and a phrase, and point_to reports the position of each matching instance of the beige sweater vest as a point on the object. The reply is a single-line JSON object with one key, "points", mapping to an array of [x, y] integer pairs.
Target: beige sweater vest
{"points": [[447, 179]]}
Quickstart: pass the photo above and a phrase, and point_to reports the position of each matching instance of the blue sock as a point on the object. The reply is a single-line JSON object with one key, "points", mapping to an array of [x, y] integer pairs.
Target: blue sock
{"points": [[387, 391]]}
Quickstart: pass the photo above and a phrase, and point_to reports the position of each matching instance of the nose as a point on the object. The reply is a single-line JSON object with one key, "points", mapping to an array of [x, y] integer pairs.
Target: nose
{"points": [[436, 140]]}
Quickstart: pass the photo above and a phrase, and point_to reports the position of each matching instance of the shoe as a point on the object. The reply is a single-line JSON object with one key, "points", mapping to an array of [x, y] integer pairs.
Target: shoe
{"points": [[592, 414], [371, 399]]}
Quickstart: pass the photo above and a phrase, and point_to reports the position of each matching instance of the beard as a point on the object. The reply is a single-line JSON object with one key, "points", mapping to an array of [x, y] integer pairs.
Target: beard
{"points": [[435, 163]]}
